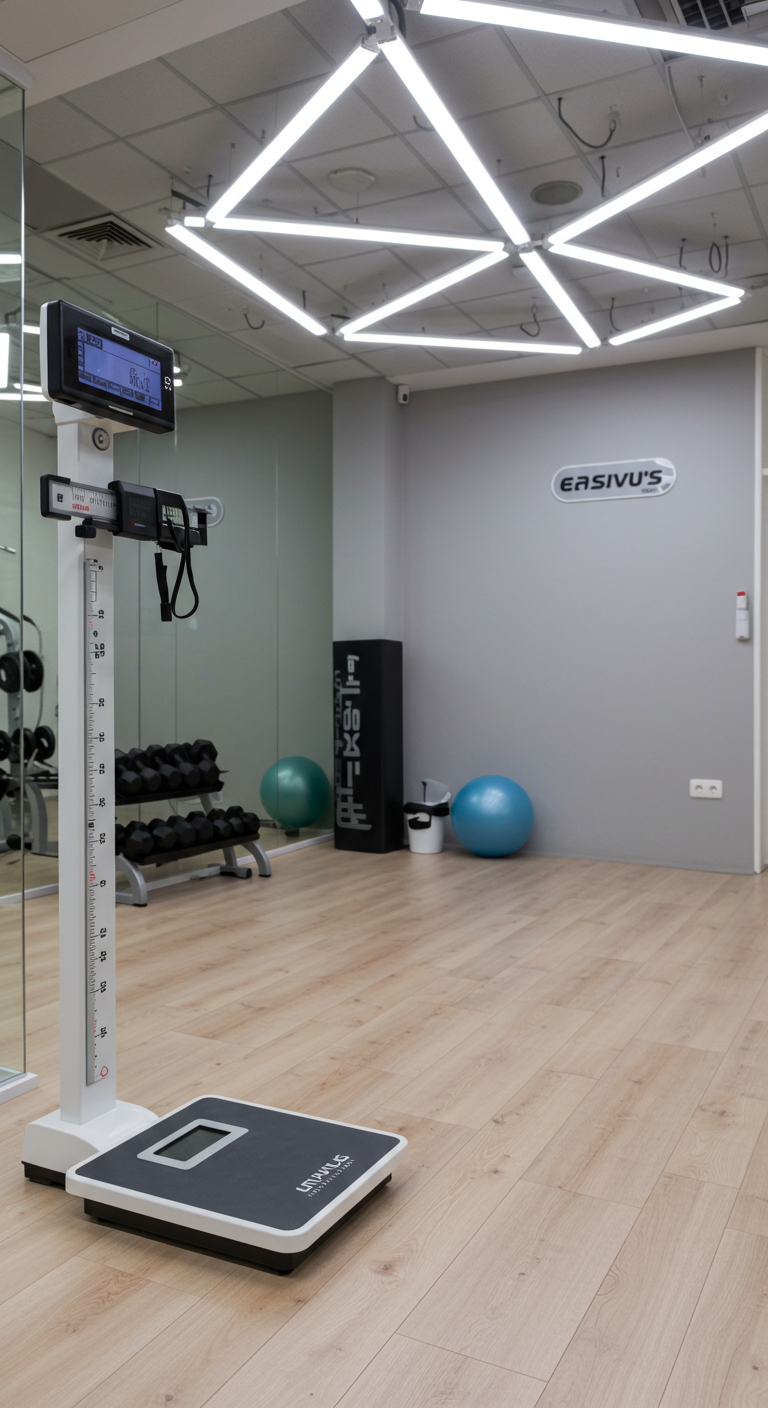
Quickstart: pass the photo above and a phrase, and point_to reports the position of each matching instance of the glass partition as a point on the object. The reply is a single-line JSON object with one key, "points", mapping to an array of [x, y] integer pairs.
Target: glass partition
{"points": [[18, 668]]}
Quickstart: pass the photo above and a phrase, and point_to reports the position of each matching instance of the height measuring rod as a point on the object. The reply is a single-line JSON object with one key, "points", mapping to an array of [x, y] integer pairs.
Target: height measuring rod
{"points": [[102, 379]]}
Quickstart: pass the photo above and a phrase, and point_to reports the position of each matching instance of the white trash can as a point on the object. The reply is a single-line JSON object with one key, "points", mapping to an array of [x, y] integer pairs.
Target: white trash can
{"points": [[426, 819]]}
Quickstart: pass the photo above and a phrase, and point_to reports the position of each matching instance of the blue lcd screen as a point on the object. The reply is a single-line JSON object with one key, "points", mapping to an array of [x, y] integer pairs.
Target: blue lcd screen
{"points": [[118, 370]]}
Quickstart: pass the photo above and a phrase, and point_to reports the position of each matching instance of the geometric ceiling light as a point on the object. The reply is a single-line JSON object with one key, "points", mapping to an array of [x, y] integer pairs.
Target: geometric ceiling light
{"points": [[384, 38], [219, 216], [620, 31]]}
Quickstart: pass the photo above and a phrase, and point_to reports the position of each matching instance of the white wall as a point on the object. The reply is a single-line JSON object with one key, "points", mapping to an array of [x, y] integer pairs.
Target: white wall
{"points": [[586, 650]]}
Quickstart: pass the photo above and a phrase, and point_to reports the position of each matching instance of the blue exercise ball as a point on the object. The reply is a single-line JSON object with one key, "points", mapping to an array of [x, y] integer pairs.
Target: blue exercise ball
{"points": [[492, 816], [295, 791]]}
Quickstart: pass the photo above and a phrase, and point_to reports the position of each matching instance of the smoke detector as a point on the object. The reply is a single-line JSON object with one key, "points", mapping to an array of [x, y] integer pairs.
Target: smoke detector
{"points": [[556, 193], [353, 180]]}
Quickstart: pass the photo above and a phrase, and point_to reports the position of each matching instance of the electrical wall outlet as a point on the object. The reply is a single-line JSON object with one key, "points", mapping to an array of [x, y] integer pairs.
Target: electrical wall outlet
{"points": [[705, 787]]}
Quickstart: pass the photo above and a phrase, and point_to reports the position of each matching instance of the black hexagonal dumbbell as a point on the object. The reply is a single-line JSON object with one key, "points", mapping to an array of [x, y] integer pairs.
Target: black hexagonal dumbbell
{"points": [[138, 841], [221, 826], [163, 836], [149, 775], [119, 838], [203, 827], [177, 755], [184, 830], [201, 748], [170, 777]]}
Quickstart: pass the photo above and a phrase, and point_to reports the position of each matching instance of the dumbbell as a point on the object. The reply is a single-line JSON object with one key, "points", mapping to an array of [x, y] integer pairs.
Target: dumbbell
{"points": [[177, 756], [183, 830], [202, 826], [151, 777], [222, 828], [138, 841], [5, 745], [119, 838], [127, 782], [30, 742], [164, 836], [157, 758], [251, 823], [201, 748], [46, 742], [132, 777], [249, 820]]}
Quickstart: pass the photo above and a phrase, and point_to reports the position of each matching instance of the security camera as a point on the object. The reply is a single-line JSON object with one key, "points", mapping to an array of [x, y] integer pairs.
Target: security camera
{"points": [[403, 395]]}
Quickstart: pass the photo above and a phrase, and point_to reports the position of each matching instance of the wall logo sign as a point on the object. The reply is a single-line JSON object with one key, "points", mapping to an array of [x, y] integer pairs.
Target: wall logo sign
{"points": [[620, 479]]}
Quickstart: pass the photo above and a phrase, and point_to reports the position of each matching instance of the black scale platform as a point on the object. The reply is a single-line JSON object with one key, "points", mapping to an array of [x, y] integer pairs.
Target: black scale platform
{"points": [[268, 1193]]}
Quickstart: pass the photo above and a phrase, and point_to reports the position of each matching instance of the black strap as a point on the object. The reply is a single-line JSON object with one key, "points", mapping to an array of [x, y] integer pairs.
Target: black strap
{"points": [[431, 808], [161, 572], [417, 825], [184, 545]]}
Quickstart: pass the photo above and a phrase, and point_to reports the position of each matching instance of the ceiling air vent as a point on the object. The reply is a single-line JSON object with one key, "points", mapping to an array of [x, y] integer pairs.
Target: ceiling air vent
{"points": [[709, 14], [105, 238]]}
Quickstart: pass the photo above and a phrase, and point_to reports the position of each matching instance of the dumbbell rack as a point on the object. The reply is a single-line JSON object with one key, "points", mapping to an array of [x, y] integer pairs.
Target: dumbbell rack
{"points": [[138, 894]]}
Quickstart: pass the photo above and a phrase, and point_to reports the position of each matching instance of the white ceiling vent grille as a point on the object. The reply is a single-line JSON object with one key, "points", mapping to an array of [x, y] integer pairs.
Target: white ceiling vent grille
{"points": [[709, 14], [105, 238]]}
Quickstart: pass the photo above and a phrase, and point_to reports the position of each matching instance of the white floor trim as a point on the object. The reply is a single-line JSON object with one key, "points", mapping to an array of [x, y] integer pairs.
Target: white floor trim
{"points": [[17, 1085]]}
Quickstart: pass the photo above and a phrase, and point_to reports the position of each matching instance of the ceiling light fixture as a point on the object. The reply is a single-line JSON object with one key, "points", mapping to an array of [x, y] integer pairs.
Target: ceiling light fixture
{"points": [[10, 258], [680, 277], [417, 295], [618, 31], [361, 233], [474, 344], [31, 390], [242, 276], [551, 285], [434, 109], [16, 396], [31, 329], [177, 381], [326, 95], [368, 9], [702, 156], [663, 323]]}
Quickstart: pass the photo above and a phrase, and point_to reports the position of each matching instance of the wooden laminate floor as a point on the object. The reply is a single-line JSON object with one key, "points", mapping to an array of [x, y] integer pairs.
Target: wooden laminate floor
{"points": [[578, 1054]]}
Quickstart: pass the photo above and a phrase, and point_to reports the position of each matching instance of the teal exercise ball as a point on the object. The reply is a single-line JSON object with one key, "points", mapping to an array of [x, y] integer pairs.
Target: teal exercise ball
{"points": [[295, 791], [492, 816]]}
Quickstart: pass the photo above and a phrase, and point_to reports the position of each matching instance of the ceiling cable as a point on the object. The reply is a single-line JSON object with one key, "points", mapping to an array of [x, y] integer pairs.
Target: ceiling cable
{"points": [[536, 323], [593, 146]]}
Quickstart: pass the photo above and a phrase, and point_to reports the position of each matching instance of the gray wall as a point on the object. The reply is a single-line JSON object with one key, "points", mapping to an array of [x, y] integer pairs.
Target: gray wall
{"points": [[585, 650], [252, 670]]}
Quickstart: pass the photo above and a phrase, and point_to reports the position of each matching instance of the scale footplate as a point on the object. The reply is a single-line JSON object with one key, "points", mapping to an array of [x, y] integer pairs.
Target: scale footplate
{"points": [[230, 1176]]}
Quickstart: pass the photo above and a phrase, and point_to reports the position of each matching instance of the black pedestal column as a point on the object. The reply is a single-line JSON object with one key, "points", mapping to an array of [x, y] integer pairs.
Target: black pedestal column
{"points": [[368, 744]]}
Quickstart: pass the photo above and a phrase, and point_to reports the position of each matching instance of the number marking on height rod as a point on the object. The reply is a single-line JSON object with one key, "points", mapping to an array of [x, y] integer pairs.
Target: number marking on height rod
{"points": [[99, 821]]}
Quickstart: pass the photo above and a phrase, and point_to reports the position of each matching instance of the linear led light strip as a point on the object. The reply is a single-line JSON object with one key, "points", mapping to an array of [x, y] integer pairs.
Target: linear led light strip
{"points": [[242, 276], [349, 232], [618, 31], [663, 324], [417, 295], [679, 277], [474, 344], [326, 95]]}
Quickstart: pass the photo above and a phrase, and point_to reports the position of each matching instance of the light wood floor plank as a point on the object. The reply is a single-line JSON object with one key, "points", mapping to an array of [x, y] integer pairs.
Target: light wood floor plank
{"points": [[750, 1211], [718, 1142], [624, 1350], [517, 1292], [618, 1141], [406, 1372], [704, 1010], [724, 1359]]}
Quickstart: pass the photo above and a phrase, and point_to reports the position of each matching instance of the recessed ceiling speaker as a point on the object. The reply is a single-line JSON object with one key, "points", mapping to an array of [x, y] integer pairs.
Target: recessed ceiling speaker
{"points": [[351, 179], [556, 193]]}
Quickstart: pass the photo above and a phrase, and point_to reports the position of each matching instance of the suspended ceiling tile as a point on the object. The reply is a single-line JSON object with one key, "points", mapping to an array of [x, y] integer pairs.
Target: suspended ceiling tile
{"points": [[48, 258], [203, 142], [274, 383], [220, 355], [389, 361], [318, 350], [335, 27], [55, 129], [390, 97], [437, 211], [258, 56], [474, 73], [395, 172], [754, 160], [137, 99], [560, 64], [114, 295], [728, 91], [344, 371], [115, 175], [31, 30], [642, 102]]}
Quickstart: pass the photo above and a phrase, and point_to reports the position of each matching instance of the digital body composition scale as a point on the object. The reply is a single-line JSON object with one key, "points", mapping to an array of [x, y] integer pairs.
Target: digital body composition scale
{"points": [[219, 1174], [263, 1184]]}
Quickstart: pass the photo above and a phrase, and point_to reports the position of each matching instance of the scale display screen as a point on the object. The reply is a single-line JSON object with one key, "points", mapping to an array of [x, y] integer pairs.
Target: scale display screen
{"points": [[191, 1143], [119, 370], [106, 370]]}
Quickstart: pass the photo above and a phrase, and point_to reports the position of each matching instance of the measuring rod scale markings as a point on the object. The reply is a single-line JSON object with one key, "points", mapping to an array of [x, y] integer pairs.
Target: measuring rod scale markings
{"points": [[217, 1173], [99, 844]]}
